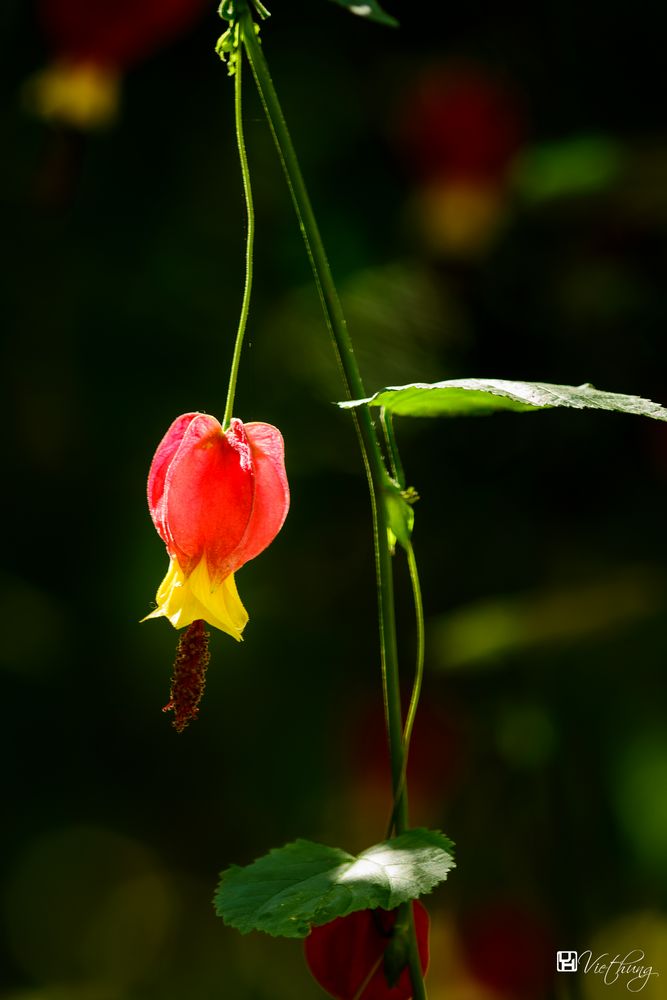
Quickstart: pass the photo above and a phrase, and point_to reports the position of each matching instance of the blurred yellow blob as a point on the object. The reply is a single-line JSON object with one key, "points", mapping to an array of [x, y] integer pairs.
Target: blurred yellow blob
{"points": [[641, 936], [448, 977], [84, 95], [460, 218], [89, 908]]}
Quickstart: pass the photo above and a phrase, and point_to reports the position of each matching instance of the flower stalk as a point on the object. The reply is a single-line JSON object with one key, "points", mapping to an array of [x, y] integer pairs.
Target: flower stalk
{"points": [[236, 66]]}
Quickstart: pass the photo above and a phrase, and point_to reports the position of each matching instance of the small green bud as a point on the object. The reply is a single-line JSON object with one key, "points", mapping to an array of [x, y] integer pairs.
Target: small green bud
{"points": [[227, 48], [396, 956], [400, 515], [225, 44]]}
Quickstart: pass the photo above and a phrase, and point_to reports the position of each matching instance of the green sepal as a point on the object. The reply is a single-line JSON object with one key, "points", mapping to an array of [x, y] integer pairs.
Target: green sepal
{"points": [[227, 47], [400, 515], [397, 952], [303, 884], [228, 10], [231, 10]]}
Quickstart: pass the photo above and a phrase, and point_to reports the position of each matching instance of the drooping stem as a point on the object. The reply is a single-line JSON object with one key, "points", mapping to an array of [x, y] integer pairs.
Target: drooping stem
{"points": [[398, 474], [419, 666], [309, 229], [419, 671], [388, 649], [378, 478], [250, 237]]}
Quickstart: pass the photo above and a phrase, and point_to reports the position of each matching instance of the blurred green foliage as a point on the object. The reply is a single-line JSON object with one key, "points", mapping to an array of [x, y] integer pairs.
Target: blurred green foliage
{"points": [[121, 286]]}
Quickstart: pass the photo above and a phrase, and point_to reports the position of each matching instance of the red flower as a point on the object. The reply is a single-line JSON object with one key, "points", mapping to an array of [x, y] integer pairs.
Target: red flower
{"points": [[94, 42], [461, 124], [217, 499], [346, 956], [114, 33], [461, 128]]}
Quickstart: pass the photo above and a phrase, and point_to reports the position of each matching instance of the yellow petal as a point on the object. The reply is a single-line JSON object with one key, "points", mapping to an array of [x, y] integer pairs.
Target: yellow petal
{"points": [[81, 94], [184, 600]]}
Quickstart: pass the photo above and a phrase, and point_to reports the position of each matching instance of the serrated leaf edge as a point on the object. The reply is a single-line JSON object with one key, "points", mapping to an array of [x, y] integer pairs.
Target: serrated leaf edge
{"points": [[433, 838], [501, 388]]}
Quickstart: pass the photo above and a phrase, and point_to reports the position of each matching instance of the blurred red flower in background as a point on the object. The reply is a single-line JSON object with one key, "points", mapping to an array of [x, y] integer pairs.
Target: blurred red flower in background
{"points": [[459, 129], [93, 43], [510, 948], [348, 954]]}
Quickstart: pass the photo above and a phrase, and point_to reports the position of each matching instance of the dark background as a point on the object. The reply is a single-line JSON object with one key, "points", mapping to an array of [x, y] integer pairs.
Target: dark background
{"points": [[541, 746]]}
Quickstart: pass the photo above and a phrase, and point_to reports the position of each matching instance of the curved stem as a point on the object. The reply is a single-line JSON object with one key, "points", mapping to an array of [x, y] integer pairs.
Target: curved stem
{"points": [[419, 670], [371, 972], [250, 238], [419, 666], [309, 229], [261, 9], [388, 654]]}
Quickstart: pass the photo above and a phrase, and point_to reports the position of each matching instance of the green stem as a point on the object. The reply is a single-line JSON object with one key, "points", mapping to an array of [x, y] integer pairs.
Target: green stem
{"points": [[371, 972], [261, 9], [378, 478], [387, 421], [419, 669], [309, 229], [250, 238], [354, 386]]}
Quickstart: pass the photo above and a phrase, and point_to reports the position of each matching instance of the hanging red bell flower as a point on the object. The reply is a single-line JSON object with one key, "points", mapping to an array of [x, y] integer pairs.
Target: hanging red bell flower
{"points": [[217, 499], [93, 43], [346, 956]]}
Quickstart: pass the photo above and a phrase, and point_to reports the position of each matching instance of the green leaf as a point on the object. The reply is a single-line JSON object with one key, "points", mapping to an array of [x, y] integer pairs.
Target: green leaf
{"points": [[303, 884], [492, 632], [472, 396], [370, 9], [574, 166]]}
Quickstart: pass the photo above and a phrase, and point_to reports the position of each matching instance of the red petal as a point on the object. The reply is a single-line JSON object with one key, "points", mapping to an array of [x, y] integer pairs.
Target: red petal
{"points": [[342, 954], [166, 450], [271, 492], [220, 495], [208, 495]]}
